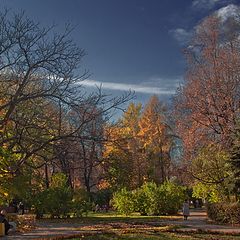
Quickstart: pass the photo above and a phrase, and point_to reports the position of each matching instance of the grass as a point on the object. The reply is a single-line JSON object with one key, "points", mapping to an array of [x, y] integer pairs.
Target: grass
{"points": [[157, 236], [113, 217], [111, 226], [114, 214]]}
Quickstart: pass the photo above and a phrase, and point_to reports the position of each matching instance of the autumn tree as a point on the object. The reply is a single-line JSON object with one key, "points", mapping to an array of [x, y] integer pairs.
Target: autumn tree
{"points": [[118, 159], [141, 145], [207, 104], [156, 140], [130, 123], [40, 95]]}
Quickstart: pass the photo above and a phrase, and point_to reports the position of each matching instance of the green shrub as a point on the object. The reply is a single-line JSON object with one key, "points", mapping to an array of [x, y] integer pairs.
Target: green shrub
{"points": [[80, 203], [171, 197], [146, 199], [123, 201], [140, 201], [224, 212], [18, 187], [39, 203], [166, 199], [102, 197], [210, 193], [151, 199], [58, 201], [55, 200]]}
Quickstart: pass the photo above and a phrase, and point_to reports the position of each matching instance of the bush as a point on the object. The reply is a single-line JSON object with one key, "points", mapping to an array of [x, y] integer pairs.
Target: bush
{"points": [[146, 199], [60, 201], [210, 193], [39, 204], [56, 200], [150, 199], [53, 201], [123, 201], [102, 197], [80, 203], [224, 213], [17, 188], [171, 197]]}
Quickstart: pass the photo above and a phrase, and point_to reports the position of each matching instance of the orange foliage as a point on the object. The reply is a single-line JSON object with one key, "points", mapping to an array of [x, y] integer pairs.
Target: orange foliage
{"points": [[207, 106]]}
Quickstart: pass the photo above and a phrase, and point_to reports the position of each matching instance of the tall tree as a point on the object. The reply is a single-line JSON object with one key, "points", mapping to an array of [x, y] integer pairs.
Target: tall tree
{"points": [[39, 77], [130, 123], [118, 159], [156, 140], [207, 105]]}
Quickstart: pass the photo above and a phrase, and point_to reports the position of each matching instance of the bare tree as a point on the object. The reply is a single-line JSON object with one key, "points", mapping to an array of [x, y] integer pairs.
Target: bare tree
{"points": [[40, 86]]}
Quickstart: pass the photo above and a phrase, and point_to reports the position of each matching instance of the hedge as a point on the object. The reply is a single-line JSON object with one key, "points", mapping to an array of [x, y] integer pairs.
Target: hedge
{"points": [[224, 212]]}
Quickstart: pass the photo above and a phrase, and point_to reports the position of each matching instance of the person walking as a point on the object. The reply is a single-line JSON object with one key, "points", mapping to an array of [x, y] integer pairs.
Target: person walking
{"points": [[21, 208], [185, 209], [5, 221]]}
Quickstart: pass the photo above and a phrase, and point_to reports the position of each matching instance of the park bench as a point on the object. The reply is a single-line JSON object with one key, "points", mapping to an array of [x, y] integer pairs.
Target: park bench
{"points": [[2, 229], [8, 209]]}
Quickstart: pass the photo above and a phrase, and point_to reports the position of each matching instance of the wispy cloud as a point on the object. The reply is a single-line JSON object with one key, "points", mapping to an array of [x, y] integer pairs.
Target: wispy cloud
{"points": [[140, 88], [181, 35], [166, 83], [205, 4]]}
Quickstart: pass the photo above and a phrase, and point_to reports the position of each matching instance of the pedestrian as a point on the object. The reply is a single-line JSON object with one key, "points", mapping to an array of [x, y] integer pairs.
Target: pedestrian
{"points": [[5, 221], [97, 208], [21, 208], [185, 209]]}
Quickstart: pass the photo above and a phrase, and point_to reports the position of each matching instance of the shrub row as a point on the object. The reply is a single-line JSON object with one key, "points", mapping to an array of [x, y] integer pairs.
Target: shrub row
{"points": [[224, 212], [61, 201], [150, 199]]}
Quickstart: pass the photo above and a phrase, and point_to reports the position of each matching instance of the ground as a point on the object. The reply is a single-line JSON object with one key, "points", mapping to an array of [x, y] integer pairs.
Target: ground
{"points": [[111, 226]]}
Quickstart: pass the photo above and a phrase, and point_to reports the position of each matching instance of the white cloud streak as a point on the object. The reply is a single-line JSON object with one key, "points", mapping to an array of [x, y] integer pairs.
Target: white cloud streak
{"points": [[205, 4], [126, 87]]}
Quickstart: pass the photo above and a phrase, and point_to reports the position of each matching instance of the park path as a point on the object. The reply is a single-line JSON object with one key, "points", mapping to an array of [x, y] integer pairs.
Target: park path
{"points": [[197, 222]]}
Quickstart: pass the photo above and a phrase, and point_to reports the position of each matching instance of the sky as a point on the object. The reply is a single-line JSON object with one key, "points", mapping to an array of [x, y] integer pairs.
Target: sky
{"points": [[130, 44]]}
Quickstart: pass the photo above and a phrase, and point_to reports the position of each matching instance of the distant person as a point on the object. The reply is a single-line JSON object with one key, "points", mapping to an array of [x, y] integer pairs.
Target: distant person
{"points": [[21, 208], [3, 219], [97, 208], [197, 203], [185, 209]]}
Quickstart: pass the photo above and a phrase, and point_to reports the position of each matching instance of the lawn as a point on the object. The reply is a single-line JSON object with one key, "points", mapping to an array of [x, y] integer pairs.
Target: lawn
{"points": [[157, 236], [113, 217], [111, 226]]}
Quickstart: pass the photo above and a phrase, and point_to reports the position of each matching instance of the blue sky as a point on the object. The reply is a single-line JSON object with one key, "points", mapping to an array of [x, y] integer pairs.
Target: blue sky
{"points": [[133, 44]]}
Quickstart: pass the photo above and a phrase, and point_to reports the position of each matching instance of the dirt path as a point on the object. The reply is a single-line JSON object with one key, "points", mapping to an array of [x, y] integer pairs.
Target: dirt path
{"points": [[197, 222]]}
